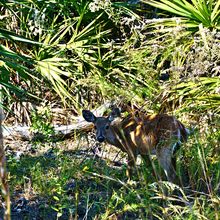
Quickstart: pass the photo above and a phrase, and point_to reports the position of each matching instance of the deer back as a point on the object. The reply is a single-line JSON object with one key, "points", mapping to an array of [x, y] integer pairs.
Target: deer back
{"points": [[142, 134]]}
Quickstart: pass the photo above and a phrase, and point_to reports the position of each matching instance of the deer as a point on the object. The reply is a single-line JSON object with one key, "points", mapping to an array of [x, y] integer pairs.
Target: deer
{"points": [[142, 134]]}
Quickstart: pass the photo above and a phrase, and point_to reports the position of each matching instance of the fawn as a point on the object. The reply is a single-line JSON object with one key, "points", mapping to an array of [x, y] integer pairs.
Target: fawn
{"points": [[142, 134]]}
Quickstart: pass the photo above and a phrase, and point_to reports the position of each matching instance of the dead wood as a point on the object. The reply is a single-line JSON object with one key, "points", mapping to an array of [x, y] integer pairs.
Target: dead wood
{"points": [[60, 131]]}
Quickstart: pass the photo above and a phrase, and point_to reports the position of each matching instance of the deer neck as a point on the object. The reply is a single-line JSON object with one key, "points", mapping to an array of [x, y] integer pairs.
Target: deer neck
{"points": [[114, 137]]}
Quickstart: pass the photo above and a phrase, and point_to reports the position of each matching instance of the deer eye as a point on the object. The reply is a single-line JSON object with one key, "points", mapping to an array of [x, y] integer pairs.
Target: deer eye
{"points": [[107, 127], [95, 127]]}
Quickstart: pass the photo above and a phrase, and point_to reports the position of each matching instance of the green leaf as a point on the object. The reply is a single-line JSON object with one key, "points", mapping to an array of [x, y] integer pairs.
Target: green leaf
{"points": [[199, 11], [56, 198], [5, 34], [216, 11]]}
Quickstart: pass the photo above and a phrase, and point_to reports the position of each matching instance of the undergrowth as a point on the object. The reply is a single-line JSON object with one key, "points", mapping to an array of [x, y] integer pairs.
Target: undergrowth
{"points": [[81, 184]]}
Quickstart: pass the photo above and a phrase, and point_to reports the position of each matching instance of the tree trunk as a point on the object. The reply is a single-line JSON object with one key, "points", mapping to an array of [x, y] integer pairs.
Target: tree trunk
{"points": [[3, 171]]}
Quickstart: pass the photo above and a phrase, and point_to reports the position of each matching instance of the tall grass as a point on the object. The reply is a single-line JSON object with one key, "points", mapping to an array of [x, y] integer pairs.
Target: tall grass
{"points": [[90, 187]]}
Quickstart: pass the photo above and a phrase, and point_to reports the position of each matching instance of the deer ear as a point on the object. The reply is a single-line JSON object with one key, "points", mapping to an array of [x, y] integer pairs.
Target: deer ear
{"points": [[114, 114], [88, 116]]}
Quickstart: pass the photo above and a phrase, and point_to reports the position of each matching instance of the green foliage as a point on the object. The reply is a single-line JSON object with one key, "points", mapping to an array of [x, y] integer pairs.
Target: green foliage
{"points": [[41, 123], [191, 14], [67, 180], [13, 64], [189, 56], [54, 37], [197, 96]]}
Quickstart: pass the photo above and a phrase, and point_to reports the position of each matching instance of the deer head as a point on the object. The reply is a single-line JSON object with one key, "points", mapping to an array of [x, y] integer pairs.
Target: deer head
{"points": [[102, 124]]}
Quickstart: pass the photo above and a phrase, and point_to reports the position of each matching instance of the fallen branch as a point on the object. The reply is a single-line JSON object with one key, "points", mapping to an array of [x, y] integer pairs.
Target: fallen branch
{"points": [[61, 132]]}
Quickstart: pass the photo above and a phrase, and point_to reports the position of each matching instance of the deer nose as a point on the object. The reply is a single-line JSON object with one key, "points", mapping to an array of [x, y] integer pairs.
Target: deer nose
{"points": [[100, 139]]}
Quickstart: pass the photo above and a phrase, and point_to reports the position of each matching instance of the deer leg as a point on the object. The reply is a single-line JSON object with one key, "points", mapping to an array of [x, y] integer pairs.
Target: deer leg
{"points": [[150, 164], [147, 160], [167, 162], [131, 164]]}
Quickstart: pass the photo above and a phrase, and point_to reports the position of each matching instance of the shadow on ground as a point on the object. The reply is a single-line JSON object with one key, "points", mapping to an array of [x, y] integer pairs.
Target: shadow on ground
{"points": [[73, 167]]}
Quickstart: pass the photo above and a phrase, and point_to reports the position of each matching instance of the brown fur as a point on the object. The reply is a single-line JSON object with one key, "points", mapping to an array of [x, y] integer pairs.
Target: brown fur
{"points": [[143, 134]]}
